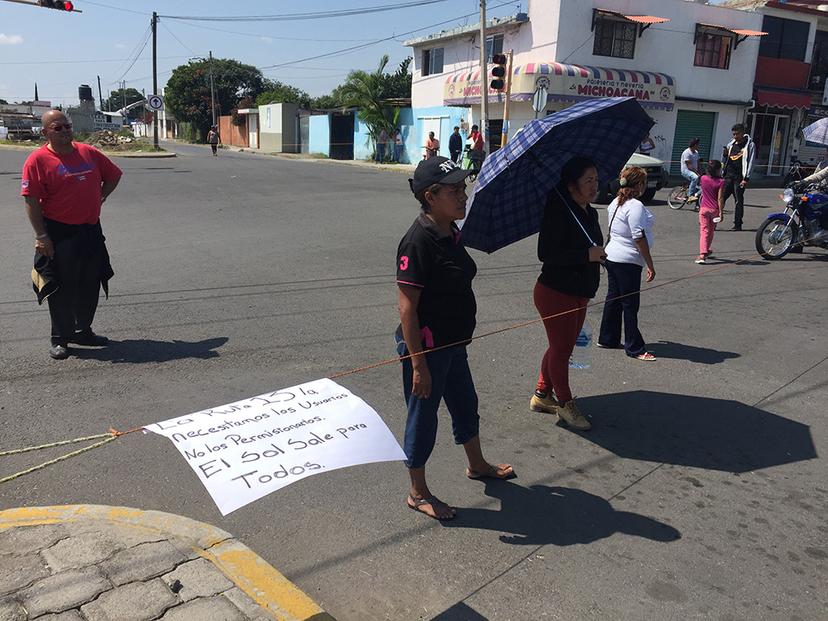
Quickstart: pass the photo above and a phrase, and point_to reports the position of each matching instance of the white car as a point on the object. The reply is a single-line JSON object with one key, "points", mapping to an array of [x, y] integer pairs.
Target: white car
{"points": [[656, 178]]}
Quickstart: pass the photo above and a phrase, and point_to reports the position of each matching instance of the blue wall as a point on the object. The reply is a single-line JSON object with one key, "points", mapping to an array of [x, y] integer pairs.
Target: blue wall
{"points": [[364, 146], [451, 117], [320, 134]]}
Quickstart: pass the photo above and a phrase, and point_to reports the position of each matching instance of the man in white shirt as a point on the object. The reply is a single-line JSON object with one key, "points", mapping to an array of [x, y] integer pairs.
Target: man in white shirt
{"points": [[690, 169]]}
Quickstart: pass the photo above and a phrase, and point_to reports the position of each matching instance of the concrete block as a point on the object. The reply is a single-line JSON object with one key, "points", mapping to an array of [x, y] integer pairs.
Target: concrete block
{"points": [[142, 562], [22, 540], [10, 610], [210, 609], [20, 571], [199, 578], [69, 615], [247, 605], [137, 601], [63, 591], [80, 551]]}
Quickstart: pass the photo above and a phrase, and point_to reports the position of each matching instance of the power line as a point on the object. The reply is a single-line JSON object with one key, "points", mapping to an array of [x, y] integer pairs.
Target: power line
{"points": [[75, 62], [115, 8], [306, 16], [134, 60], [268, 36], [184, 45]]}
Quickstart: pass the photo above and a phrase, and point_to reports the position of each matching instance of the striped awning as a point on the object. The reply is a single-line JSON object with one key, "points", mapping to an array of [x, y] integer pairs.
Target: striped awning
{"points": [[568, 83], [646, 20]]}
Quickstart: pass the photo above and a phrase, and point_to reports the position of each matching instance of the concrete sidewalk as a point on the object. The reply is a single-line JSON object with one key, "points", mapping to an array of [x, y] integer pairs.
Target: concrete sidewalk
{"points": [[99, 563]]}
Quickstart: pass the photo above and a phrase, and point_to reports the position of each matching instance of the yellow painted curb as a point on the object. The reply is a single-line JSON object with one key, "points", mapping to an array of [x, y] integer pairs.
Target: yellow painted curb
{"points": [[247, 570]]}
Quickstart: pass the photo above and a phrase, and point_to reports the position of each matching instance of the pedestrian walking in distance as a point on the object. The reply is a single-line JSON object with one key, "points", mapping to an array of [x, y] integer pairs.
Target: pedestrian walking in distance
{"points": [[738, 164], [712, 208], [213, 139], [630, 235], [570, 246], [437, 321], [64, 184], [432, 146], [455, 145]]}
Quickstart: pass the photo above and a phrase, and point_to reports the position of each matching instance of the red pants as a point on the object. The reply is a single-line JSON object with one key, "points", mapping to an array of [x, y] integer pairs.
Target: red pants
{"points": [[706, 229], [561, 332]]}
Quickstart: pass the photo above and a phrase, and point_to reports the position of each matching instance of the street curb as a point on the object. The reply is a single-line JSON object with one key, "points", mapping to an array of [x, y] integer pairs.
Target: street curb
{"points": [[134, 154], [247, 570], [402, 168]]}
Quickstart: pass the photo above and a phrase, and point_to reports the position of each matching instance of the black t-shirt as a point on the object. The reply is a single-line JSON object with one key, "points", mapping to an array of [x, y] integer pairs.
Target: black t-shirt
{"points": [[733, 161], [564, 248], [439, 265]]}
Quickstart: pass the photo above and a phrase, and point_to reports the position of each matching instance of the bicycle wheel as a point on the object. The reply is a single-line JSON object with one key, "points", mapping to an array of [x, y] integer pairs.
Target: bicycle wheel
{"points": [[677, 197]]}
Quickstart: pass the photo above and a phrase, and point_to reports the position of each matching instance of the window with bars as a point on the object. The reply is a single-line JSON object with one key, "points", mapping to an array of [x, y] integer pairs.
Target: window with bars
{"points": [[713, 50], [614, 38], [432, 61], [494, 45]]}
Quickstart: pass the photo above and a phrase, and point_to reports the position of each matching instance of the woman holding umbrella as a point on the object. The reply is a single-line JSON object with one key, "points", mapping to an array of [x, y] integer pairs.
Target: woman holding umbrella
{"points": [[570, 245], [437, 320]]}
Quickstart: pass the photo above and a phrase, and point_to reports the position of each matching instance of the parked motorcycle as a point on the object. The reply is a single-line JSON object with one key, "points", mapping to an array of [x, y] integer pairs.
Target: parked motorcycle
{"points": [[803, 223]]}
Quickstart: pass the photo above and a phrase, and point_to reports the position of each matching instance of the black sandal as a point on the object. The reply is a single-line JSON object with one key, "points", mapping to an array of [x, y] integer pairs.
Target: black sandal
{"points": [[433, 501]]}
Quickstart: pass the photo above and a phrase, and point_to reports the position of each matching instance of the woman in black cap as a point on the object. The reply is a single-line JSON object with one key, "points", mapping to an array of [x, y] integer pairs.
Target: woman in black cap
{"points": [[437, 320]]}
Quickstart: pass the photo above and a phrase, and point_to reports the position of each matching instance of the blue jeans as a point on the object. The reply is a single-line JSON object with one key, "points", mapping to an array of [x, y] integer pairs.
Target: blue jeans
{"points": [[380, 156], [693, 178], [397, 152], [451, 381]]}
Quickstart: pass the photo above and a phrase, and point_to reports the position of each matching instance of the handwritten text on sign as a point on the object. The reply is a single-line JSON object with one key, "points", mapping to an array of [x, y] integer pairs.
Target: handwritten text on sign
{"points": [[245, 450]]}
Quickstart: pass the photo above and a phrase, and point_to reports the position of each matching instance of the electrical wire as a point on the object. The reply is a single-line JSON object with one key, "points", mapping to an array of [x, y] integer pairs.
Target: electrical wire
{"points": [[306, 16], [268, 36], [134, 60], [184, 45]]}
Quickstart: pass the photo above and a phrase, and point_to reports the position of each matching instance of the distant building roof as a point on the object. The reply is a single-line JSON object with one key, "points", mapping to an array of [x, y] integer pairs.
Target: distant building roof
{"points": [[517, 18]]}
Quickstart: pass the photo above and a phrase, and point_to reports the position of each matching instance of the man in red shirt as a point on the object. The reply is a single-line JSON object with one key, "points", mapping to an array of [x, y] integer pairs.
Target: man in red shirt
{"points": [[64, 185]]}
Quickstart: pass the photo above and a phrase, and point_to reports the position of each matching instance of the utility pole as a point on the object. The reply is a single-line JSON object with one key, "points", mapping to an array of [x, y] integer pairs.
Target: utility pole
{"points": [[154, 24], [100, 95], [484, 77], [123, 98], [505, 133], [212, 90]]}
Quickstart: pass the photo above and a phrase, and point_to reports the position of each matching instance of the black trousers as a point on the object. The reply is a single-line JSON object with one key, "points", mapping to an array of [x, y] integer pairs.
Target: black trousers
{"points": [[733, 187], [622, 278], [79, 264], [455, 156]]}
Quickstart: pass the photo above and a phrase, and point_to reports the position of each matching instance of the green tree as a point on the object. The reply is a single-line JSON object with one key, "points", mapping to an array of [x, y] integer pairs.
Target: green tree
{"points": [[187, 94], [3, 102], [397, 85], [368, 92], [277, 92], [130, 95]]}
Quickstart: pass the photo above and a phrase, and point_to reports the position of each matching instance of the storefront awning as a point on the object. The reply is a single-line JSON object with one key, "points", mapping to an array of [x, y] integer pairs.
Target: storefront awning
{"points": [[645, 20], [783, 99], [567, 83]]}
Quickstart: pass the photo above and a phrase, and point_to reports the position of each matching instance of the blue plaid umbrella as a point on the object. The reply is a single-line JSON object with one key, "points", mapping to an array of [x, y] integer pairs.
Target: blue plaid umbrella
{"points": [[817, 132], [514, 183]]}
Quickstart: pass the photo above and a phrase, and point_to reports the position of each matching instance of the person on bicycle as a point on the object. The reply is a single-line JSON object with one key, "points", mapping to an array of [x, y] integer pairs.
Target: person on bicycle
{"points": [[476, 152], [690, 169]]}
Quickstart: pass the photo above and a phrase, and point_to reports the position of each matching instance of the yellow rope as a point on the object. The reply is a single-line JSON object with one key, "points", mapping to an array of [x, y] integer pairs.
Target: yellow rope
{"points": [[11, 477], [53, 444]]}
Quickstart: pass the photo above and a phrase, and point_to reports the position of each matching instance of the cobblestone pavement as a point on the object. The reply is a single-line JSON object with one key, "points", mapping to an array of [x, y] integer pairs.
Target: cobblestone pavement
{"points": [[90, 563]]}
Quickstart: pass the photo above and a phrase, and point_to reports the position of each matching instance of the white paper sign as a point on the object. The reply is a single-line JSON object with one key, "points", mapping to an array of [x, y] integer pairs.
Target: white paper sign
{"points": [[245, 450]]}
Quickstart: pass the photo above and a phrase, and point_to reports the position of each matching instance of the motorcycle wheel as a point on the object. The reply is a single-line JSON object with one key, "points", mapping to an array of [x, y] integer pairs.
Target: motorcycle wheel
{"points": [[775, 239], [677, 197]]}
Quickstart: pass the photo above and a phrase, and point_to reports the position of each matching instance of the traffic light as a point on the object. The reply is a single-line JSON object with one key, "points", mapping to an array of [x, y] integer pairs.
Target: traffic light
{"points": [[498, 82], [59, 5]]}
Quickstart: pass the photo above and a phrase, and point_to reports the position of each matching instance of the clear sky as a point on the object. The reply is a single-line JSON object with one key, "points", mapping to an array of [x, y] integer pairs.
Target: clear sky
{"points": [[61, 50]]}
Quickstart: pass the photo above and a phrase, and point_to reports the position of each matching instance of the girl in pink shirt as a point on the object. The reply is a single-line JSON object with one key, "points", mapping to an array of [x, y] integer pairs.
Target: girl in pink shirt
{"points": [[712, 207]]}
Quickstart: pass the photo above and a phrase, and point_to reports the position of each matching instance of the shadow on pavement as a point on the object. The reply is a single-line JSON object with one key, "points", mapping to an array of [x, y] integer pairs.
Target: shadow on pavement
{"points": [[460, 612], [680, 351], [701, 432], [137, 351], [561, 516]]}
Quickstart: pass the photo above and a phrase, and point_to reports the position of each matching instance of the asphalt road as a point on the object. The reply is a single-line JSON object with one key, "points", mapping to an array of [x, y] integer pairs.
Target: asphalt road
{"points": [[701, 492]]}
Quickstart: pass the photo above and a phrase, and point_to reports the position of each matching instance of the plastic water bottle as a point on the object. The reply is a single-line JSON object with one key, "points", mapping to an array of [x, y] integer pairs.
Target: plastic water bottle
{"points": [[582, 353]]}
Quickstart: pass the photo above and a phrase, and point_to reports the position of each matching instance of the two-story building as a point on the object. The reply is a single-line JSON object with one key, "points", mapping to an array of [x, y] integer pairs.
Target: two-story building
{"points": [[690, 65], [790, 81]]}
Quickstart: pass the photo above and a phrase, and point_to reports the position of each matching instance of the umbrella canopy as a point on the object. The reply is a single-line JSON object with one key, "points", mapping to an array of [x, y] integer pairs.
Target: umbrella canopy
{"points": [[514, 184], [817, 132]]}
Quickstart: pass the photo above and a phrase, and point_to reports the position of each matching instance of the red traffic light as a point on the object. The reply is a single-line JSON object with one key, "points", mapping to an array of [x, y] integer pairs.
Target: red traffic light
{"points": [[499, 59], [60, 5]]}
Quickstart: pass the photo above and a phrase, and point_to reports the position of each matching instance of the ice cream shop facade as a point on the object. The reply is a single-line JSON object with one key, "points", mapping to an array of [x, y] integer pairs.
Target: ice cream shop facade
{"points": [[688, 64]]}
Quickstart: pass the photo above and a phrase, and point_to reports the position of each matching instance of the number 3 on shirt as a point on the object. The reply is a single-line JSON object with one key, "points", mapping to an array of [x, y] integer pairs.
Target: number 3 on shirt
{"points": [[403, 263]]}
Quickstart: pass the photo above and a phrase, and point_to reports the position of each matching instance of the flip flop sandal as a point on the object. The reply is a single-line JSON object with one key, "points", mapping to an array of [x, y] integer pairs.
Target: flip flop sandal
{"points": [[646, 357], [433, 501], [501, 472], [607, 346]]}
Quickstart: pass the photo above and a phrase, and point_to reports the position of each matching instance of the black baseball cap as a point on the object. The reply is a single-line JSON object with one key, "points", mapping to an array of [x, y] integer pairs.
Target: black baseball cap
{"points": [[436, 169]]}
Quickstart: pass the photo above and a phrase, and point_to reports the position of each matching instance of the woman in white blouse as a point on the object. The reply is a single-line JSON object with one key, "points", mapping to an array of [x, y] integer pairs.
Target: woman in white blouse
{"points": [[628, 253]]}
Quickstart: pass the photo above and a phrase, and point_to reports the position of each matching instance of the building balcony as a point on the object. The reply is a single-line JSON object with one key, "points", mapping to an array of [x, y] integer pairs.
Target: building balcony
{"points": [[782, 73]]}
